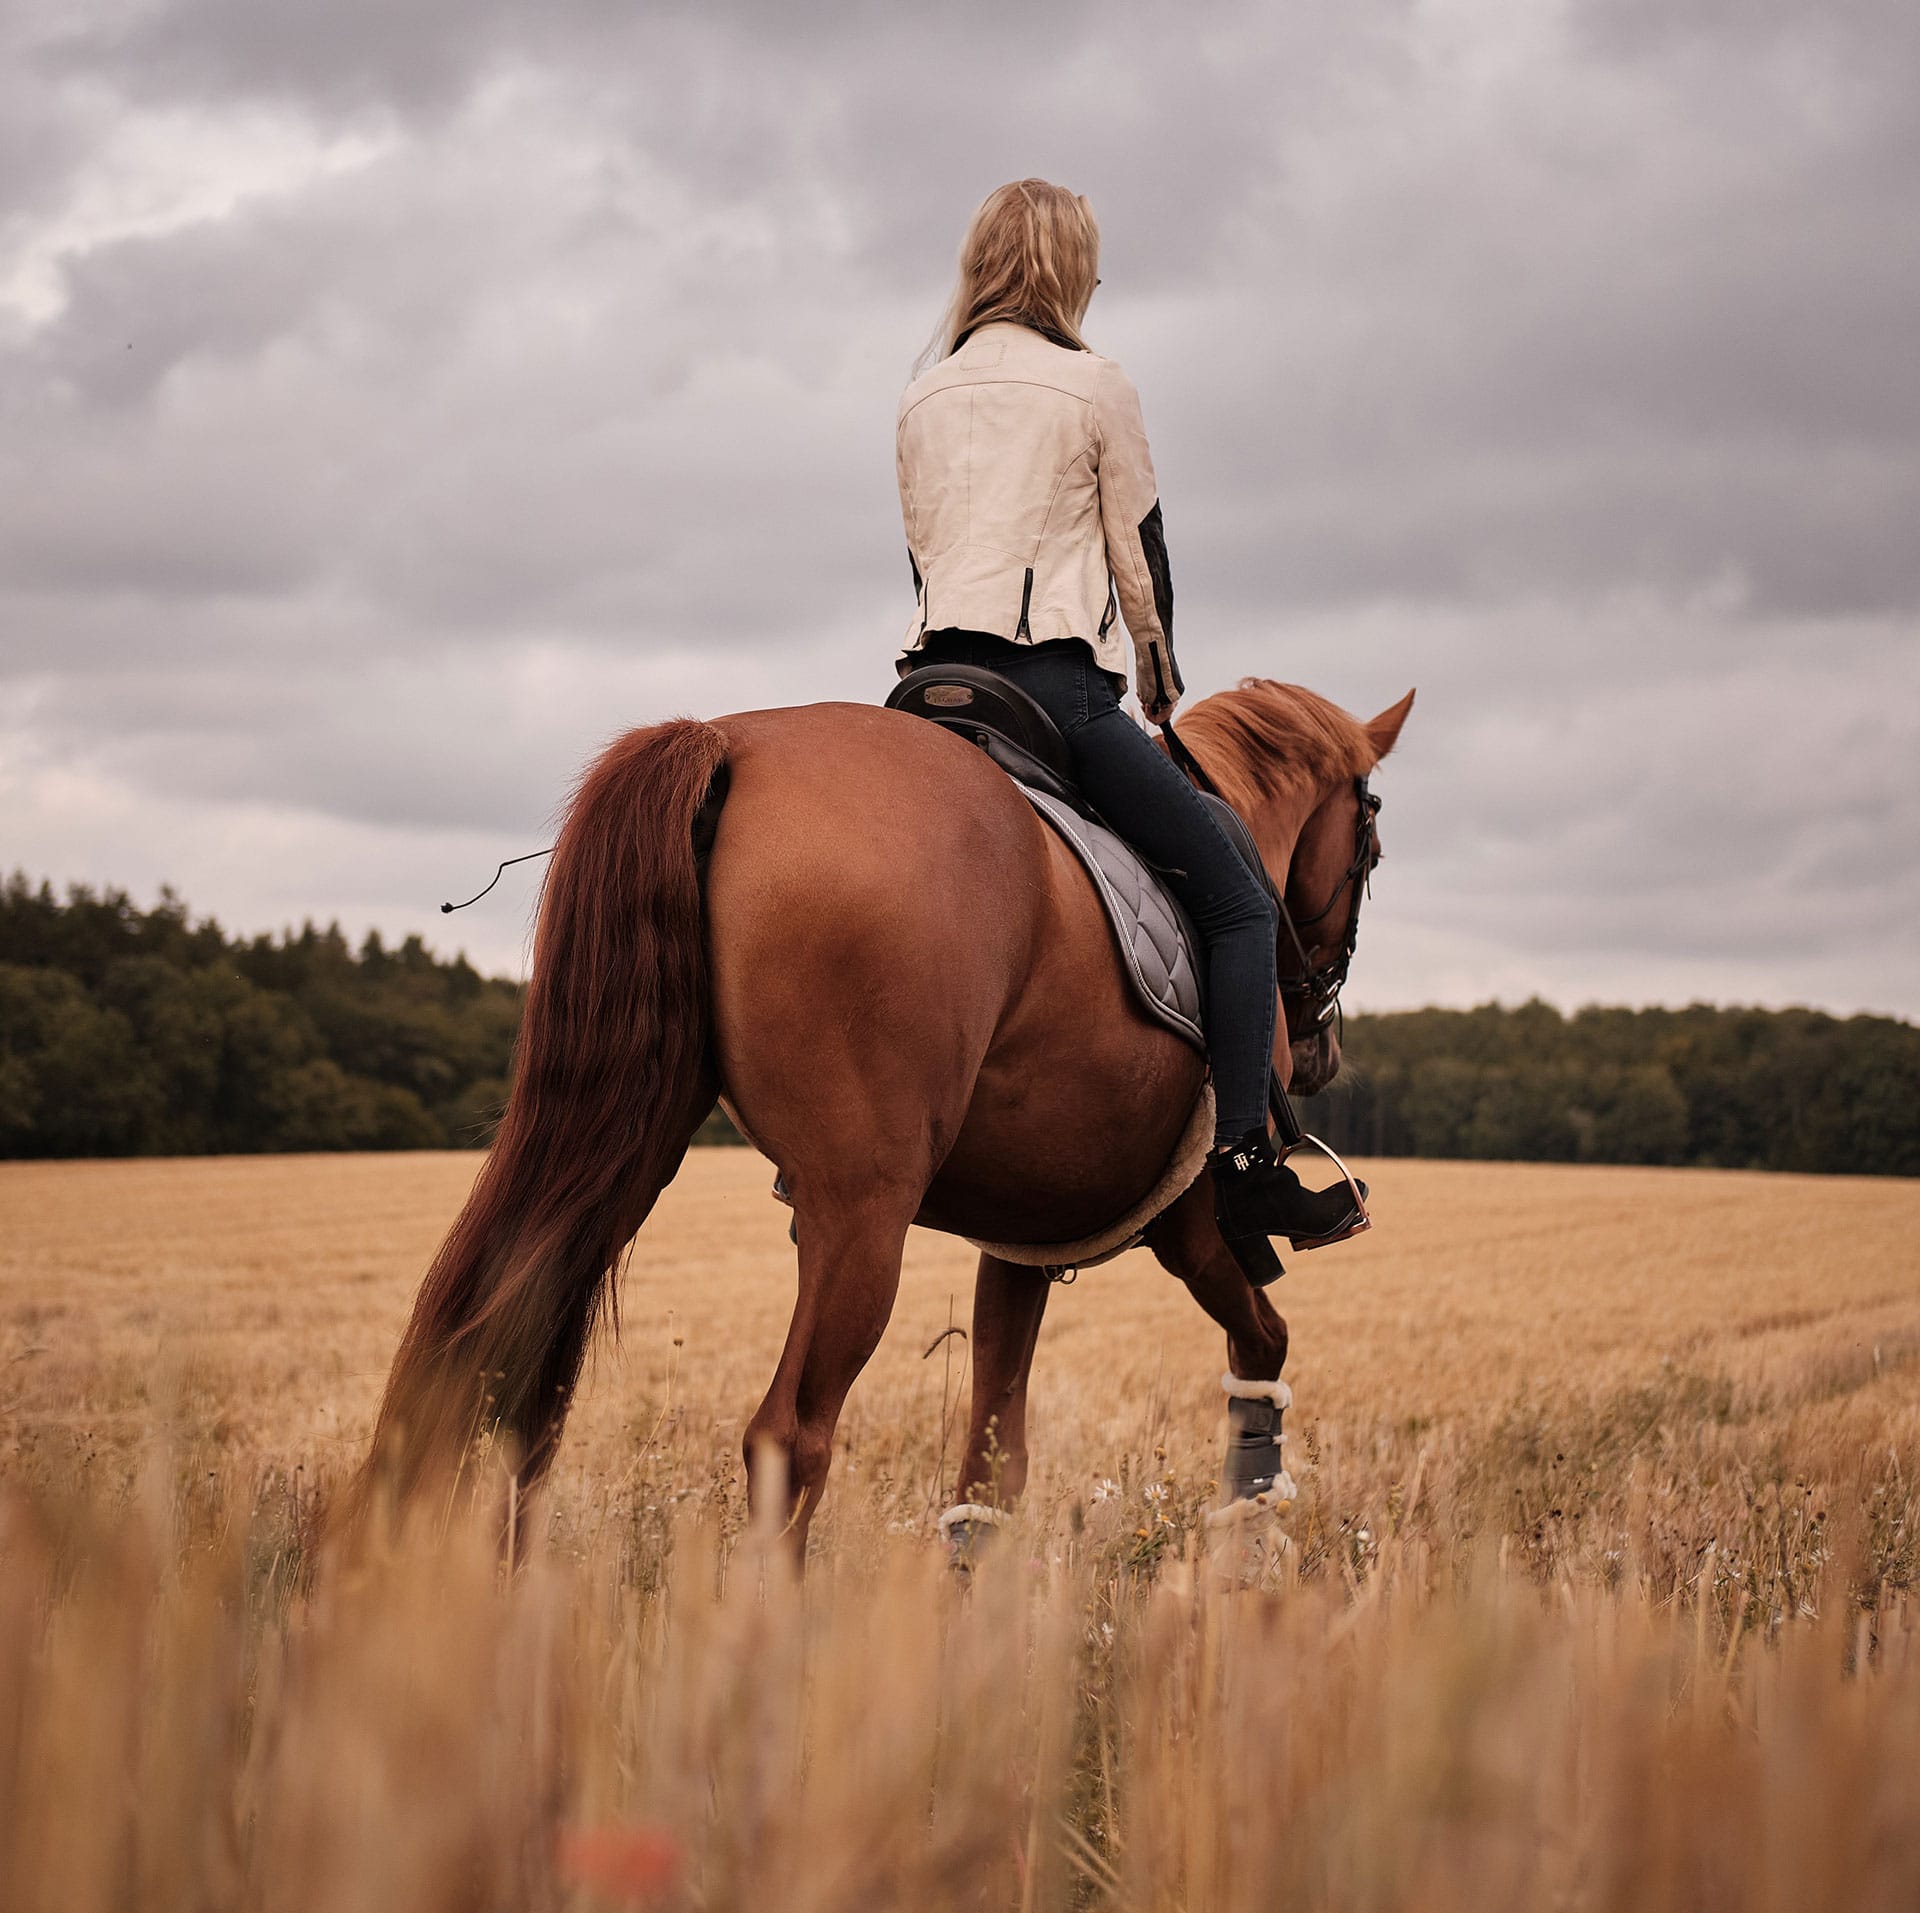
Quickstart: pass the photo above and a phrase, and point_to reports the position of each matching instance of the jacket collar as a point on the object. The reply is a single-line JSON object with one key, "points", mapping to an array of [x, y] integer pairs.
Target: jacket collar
{"points": [[1016, 326]]}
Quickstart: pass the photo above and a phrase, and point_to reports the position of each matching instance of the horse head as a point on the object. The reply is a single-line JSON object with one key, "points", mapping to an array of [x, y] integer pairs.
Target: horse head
{"points": [[1296, 767]]}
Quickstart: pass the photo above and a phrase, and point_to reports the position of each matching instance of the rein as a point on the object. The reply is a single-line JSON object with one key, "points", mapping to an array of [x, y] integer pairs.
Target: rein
{"points": [[1318, 987]]}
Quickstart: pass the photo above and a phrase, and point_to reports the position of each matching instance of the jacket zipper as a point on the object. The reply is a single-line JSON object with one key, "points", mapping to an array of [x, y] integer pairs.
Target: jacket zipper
{"points": [[1159, 682], [1021, 631]]}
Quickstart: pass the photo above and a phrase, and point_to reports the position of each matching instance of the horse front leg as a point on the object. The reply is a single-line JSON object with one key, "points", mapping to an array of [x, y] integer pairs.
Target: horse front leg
{"points": [[1008, 1303], [1186, 1243]]}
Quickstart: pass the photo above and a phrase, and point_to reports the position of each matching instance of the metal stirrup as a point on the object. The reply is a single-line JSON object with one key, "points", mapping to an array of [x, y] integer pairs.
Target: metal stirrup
{"points": [[1363, 1219], [1291, 1137]]}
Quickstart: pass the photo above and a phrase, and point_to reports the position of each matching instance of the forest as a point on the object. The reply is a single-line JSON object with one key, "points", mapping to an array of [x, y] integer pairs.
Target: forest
{"points": [[130, 1031], [1716, 1088], [142, 1032]]}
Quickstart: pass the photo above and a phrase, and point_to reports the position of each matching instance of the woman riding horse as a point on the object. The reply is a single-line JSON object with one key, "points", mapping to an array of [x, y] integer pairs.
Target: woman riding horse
{"points": [[852, 928], [1030, 506]]}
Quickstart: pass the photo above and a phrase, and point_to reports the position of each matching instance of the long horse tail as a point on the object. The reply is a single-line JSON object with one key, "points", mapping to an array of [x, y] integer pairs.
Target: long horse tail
{"points": [[611, 1078]]}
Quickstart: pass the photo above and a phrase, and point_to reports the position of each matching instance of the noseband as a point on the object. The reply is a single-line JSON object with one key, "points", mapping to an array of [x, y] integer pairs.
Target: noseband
{"points": [[1315, 987]]}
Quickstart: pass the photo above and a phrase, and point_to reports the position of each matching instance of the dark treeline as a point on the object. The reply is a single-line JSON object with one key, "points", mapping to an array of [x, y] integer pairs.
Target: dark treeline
{"points": [[1729, 1089], [140, 1032]]}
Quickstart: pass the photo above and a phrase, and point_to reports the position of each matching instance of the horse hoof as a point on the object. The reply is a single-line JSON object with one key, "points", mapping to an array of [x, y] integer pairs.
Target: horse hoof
{"points": [[1245, 1542]]}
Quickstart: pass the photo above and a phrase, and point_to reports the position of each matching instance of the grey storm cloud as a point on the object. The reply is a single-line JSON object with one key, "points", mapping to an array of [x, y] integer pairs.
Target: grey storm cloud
{"points": [[401, 398]]}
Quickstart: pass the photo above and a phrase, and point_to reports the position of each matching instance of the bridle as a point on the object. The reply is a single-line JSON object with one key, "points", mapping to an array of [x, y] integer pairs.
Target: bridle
{"points": [[1318, 987], [1314, 987]]}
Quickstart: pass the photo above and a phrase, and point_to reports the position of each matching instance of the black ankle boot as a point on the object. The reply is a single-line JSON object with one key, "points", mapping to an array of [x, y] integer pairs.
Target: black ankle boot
{"points": [[1254, 1195]]}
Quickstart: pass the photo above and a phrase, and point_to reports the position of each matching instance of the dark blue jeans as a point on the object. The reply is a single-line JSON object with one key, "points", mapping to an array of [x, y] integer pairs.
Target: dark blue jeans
{"points": [[1150, 803]]}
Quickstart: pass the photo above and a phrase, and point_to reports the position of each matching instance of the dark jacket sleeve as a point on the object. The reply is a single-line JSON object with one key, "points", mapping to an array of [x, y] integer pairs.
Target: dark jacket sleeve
{"points": [[1136, 536]]}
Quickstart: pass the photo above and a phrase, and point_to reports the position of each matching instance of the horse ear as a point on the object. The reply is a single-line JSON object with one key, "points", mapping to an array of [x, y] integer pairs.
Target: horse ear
{"points": [[1385, 729]]}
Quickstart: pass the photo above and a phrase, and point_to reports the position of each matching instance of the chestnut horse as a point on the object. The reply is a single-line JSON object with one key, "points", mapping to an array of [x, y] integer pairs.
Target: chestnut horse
{"points": [[853, 927]]}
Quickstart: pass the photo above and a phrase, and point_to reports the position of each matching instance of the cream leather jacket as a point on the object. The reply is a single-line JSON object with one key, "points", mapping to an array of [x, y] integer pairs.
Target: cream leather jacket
{"points": [[1030, 505]]}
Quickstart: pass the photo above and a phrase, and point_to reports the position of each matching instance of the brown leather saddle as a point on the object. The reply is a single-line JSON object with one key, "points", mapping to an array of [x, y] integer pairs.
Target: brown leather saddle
{"points": [[993, 713], [1159, 950]]}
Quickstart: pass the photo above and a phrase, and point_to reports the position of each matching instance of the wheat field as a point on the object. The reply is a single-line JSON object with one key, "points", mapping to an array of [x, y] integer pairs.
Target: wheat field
{"points": [[1599, 1592]]}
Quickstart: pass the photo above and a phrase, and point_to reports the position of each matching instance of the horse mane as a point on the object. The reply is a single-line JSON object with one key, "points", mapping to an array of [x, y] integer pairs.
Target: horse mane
{"points": [[1264, 740]]}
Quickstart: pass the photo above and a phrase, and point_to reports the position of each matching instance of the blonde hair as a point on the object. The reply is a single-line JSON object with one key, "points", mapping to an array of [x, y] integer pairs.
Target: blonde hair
{"points": [[1031, 256]]}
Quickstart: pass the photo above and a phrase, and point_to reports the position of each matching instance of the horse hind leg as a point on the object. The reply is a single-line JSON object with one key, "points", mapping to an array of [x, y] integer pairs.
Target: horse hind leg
{"points": [[1008, 1303], [850, 1249]]}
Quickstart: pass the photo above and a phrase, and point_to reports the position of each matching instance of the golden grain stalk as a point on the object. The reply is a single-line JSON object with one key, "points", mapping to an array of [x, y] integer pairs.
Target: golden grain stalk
{"points": [[1599, 1592]]}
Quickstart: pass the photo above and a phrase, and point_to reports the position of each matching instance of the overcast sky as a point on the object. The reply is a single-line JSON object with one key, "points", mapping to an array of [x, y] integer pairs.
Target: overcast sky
{"points": [[399, 397]]}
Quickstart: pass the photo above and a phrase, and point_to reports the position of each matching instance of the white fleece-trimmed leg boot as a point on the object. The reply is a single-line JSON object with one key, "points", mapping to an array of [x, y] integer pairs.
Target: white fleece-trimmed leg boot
{"points": [[1253, 1476], [968, 1529]]}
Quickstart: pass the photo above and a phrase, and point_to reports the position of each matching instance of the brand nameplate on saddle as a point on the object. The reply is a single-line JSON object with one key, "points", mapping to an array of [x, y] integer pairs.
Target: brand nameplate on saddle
{"points": [[1157, 943], [948, 696]]}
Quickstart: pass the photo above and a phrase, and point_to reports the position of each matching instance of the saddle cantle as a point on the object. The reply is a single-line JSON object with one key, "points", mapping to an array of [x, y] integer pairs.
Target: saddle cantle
{"points": [[994, 713], [1158, 947]]}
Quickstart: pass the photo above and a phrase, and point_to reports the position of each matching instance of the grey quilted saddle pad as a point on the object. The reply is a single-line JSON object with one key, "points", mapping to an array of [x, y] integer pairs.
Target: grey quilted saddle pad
{"points": [[1158, 950]]}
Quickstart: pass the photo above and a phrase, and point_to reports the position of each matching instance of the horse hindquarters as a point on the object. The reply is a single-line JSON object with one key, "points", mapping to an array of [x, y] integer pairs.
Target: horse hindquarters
{"points": [[918, 1012], [611, 1078], [865, 941]]}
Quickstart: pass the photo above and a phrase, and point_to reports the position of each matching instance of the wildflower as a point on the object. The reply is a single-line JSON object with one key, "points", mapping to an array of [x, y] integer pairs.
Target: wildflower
{"points": [[1155, 1491], [625, 1864], [1105, 1489]]}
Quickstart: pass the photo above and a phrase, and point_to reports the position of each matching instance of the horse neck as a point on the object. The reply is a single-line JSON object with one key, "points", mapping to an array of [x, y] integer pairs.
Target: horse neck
{"points": [[1277, 822]]}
